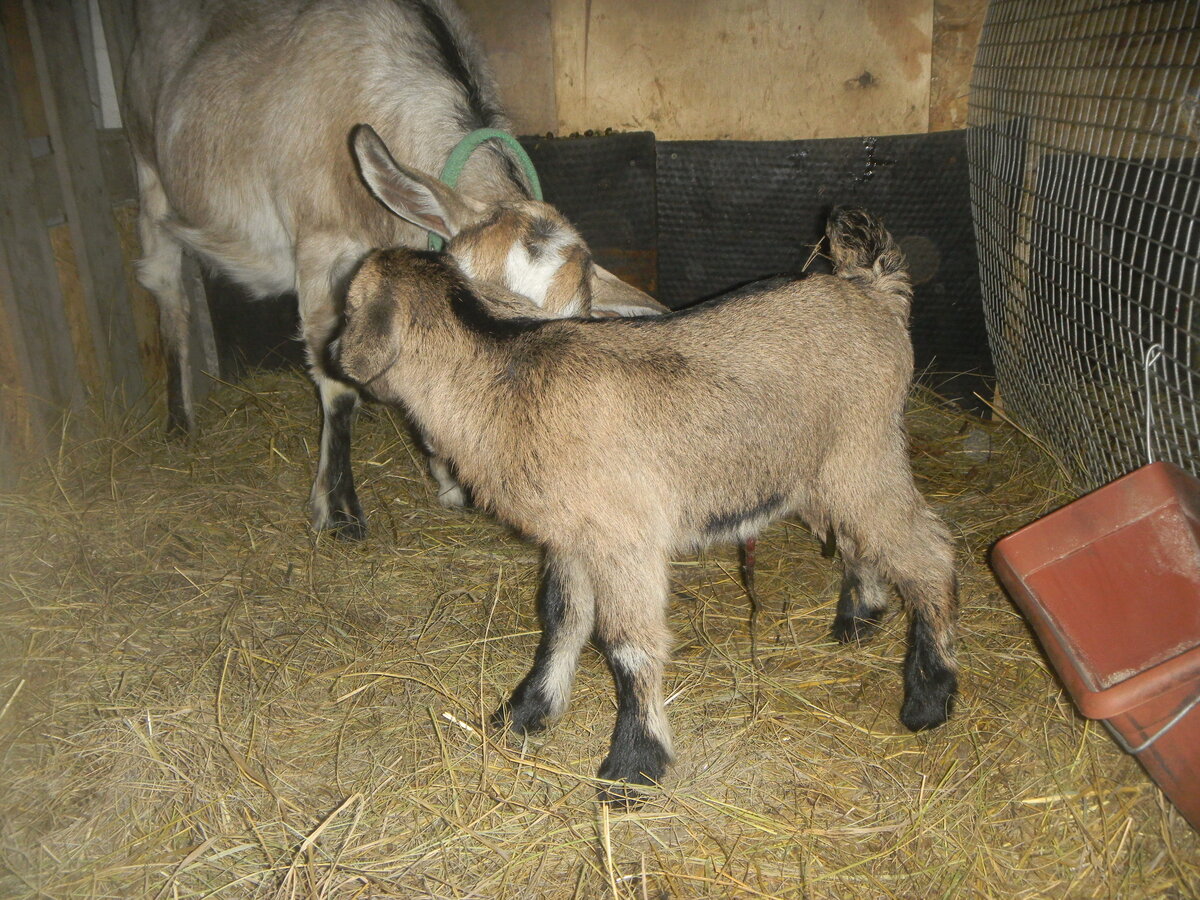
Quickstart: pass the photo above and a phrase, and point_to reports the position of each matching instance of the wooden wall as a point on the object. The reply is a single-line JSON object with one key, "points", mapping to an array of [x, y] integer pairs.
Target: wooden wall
{"points": [[72, 329], [745, 70]]}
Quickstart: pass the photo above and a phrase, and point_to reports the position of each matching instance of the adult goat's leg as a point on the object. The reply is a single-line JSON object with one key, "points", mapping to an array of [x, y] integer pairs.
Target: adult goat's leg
{"points": [[333, 502], [160, 271]]}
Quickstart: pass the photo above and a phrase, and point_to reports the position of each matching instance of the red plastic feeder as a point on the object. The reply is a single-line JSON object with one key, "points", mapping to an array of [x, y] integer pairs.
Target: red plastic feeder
{"points": [[1111, 585]]}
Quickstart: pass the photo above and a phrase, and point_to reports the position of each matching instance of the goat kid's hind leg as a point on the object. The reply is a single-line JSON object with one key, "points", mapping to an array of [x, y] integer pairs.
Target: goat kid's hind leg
{"points": [[160, 271], [566, 611], [919, 560], [450, 493], [631, 629], [863, 600]]}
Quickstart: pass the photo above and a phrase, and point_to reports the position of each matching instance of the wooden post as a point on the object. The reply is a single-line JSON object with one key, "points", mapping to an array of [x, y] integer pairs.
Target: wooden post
{"points": [[85, 196], [117, 17]]}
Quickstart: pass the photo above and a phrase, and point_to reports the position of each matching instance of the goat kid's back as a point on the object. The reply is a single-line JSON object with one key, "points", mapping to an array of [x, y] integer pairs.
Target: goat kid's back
{"points": [[540, 417]]}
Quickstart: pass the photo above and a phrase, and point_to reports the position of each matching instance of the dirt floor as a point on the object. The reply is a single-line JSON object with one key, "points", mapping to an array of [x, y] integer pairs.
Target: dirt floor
{"points": [[200, 698]]}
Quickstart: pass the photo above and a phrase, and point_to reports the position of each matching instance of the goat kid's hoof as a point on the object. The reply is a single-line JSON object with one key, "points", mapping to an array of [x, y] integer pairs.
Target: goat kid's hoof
{"points": [[350, 528], [854, 629], [930, 704], [622, 796], [453, 498], [520, 717], [630, 767]]}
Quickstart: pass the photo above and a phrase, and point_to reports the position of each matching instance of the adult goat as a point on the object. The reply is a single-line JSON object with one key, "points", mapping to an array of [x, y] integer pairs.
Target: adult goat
{"points": [[239, 115]]}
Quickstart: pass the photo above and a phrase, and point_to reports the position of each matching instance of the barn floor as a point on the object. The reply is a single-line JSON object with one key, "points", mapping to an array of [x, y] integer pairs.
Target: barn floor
{"points": [[198, 698]]}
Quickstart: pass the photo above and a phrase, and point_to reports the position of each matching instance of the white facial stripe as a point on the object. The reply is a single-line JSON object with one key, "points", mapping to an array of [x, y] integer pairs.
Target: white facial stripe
{"points": [[466, 262], [529, 277]]}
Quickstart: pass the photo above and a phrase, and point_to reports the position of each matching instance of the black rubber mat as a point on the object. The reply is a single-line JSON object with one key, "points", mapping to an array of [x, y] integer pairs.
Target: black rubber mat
{"points": [[685, 220], [734, 211]]}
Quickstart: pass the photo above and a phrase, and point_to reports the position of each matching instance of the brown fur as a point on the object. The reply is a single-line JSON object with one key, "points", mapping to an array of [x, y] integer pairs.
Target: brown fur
{"points": [[616, 444]]}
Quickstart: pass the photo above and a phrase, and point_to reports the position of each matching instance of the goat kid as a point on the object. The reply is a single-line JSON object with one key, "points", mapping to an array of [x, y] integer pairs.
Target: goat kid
{"points": [[616, 444], [239, 117]]}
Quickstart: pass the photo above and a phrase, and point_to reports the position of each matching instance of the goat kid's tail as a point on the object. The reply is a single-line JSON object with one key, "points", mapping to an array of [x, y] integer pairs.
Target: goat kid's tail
{"points": [[864, 252]]}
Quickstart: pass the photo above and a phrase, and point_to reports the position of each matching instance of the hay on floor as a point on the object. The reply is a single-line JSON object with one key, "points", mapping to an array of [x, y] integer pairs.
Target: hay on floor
{"points": [[199, 698]]}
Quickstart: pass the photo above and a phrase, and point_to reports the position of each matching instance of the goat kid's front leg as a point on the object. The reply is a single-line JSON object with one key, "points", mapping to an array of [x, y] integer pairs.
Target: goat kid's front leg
{"points": [[566, 611], [631, 629]]}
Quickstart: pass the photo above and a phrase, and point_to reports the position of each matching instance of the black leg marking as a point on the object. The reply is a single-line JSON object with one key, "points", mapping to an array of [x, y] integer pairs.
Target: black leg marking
{"points": [[177, 414], [829, 545], [527, 710], [635, 756], [346, 514], [748, 554], [929, 682], [855, 620]]}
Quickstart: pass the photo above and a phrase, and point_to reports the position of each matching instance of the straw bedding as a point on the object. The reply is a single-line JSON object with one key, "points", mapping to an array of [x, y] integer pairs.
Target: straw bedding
{"points": [[202, 699]]}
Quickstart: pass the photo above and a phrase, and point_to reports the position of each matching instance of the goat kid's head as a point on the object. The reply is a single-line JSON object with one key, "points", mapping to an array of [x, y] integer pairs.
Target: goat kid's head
{"points": [[525, 247]]}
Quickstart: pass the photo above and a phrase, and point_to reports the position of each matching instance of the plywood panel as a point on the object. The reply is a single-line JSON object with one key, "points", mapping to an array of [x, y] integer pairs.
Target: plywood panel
{"points": [[956, 27], [756, 69], [515, 35]]}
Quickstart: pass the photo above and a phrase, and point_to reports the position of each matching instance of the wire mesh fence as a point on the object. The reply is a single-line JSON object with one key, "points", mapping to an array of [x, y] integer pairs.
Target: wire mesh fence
{"points": [[1084, 141]]}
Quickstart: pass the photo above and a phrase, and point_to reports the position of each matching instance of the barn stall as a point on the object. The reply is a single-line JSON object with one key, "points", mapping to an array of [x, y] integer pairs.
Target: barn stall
{"points": [[199, 697]]}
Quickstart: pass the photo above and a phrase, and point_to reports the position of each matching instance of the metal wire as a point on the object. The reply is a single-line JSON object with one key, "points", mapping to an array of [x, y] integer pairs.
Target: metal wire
{"points": [[1084, 145]]}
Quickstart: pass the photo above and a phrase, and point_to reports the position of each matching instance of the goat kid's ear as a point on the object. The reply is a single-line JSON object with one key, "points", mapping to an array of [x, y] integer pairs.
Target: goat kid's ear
{"points": [[613, 297], [412, 195]]}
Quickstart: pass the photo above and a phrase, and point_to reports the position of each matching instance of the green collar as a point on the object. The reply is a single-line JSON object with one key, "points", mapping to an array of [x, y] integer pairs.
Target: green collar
{"points": [[462, 152]]}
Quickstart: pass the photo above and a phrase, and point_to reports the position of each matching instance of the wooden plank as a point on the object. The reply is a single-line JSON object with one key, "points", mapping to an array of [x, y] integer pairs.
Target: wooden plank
{"points": [[88, 206], [752, 70], [145, 307], [33, 298], [23, 426], [66, 264], [12, 16], [956, 28], [117, 164], [118, 31]]}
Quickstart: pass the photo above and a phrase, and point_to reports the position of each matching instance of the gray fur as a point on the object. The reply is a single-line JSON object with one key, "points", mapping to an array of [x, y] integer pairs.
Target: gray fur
{"points": [[239, 114]]}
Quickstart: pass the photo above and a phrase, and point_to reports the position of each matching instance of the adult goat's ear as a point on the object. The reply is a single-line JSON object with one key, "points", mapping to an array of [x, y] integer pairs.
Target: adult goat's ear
{"points": [[613, 297], [413, 196]]}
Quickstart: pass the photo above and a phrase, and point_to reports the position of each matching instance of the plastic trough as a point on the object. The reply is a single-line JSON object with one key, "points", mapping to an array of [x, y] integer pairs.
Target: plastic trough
{"points": [[1111, 586]]}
